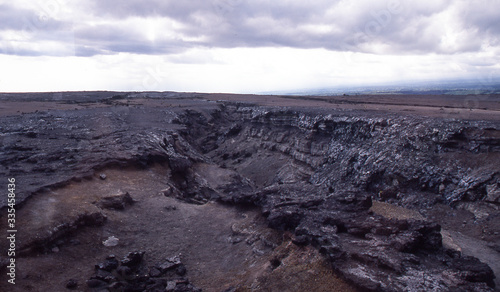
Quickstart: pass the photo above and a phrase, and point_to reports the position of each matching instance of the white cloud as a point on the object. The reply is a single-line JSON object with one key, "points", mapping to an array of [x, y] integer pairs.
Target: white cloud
{"points": [[232, 70]]}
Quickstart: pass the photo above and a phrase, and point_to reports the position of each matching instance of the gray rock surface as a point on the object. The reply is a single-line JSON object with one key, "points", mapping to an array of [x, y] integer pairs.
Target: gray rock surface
{"points": [[313, 172]]}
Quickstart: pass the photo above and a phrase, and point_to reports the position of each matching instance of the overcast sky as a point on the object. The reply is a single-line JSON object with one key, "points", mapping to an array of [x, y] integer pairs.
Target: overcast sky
{"points": [[242, 45]]}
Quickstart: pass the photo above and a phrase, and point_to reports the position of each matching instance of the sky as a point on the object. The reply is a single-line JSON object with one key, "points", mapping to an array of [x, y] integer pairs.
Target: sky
{"points": [[243, 46]]}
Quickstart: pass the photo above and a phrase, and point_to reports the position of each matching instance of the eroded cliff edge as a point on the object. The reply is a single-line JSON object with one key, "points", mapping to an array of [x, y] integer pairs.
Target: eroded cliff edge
{"points": [[313, 172]]}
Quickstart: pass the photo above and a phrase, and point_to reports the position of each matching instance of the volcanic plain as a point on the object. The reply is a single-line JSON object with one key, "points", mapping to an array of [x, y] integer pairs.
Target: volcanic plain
{"points": [[168, 191]]}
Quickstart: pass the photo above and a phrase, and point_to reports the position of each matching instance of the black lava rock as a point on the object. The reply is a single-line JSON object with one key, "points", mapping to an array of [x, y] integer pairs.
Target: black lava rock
{"points": [[96, 283], [117, 202], [473, 270], [301, 240], [169, 264], [133, 259], [72, 284], [110, 264], [130, 275], [181, 270]]}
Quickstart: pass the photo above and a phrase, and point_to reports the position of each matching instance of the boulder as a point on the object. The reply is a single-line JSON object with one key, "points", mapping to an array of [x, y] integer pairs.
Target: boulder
{"points": [[116, 202], [492, 193]]}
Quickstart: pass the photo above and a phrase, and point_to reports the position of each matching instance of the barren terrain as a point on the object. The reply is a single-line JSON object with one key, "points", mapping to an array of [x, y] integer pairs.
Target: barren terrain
{"points": [[251, 192]]}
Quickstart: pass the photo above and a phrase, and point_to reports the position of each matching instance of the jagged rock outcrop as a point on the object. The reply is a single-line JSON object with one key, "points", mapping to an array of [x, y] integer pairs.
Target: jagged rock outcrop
{"points": [[45, 149], [325, 169]]}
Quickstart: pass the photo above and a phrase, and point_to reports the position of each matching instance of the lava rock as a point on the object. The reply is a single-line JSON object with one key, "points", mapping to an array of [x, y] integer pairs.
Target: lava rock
{"points": [[179, 164], [301, 240], [109, 265], [473, 270], [351, 201], [332, 251], [72, 284], [124, 271], [118, 286], [170, 191], [170, 208], [111, 241], [96, 283], [133, 259], [116, 202], [169, 264], [155, 272], [430, 236], [285, 218], [181, 270], [171, 286], [103, 276], [420, 235], [130, 277], [92, 219], [493, 193]]}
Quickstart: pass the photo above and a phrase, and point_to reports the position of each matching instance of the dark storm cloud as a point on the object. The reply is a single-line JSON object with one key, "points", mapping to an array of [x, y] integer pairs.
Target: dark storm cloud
{"points": [[386, 27]]}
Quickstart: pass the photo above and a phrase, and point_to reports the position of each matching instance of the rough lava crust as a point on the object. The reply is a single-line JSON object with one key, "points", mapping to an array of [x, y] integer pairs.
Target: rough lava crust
{"points": [[314, 172]]}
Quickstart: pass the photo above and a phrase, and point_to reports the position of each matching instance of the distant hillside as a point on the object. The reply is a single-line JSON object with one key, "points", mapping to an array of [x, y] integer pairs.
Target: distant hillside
{"points": [[451, 87]]}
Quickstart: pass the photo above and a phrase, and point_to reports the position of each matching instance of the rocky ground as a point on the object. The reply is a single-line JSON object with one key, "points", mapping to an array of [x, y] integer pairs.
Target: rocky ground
{"points": [[187, 191]]}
